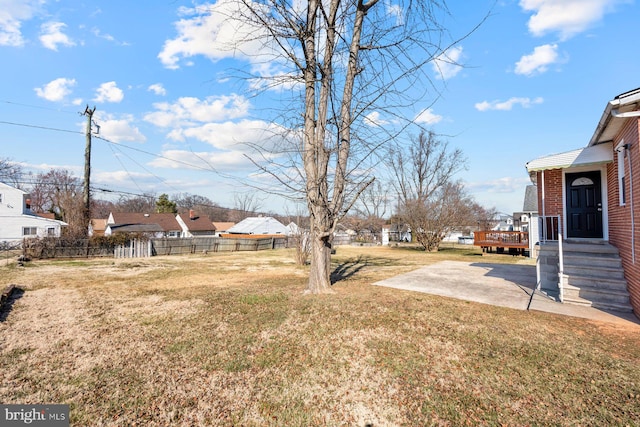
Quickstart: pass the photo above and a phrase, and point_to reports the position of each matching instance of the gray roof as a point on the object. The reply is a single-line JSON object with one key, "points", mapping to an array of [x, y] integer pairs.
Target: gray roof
{"points": [[259, 225], [530, 199]]}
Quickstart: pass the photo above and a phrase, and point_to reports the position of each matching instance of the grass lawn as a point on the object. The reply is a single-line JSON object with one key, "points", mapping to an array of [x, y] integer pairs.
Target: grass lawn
{"points": [[230, 339]]}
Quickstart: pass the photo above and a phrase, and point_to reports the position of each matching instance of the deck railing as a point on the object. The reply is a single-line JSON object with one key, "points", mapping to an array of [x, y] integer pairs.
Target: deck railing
{"points": [[501, 239]]}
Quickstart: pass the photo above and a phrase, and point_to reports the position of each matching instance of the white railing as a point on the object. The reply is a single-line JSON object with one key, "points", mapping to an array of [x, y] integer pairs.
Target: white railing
{"points": [[560, 269], [549, 227]]}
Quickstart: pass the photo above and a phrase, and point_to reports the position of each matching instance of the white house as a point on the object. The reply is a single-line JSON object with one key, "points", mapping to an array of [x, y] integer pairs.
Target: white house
{"points": [[17, 221]]}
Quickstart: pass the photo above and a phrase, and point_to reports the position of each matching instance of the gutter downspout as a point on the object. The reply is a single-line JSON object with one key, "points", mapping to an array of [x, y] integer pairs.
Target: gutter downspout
{"points": [[633, 225]]}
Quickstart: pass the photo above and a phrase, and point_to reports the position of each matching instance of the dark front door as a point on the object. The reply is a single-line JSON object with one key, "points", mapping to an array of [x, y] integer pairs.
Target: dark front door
{"points": [[584, 205]]}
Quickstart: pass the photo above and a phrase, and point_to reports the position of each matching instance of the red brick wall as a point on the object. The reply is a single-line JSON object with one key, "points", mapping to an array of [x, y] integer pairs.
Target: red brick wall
{"points": [[620, 219]]}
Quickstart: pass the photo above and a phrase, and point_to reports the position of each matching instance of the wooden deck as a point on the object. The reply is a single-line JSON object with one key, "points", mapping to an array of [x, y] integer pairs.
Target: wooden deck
{"points": [[514, 241]]}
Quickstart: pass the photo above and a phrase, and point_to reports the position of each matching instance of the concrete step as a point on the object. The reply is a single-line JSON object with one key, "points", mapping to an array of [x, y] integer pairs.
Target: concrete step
{"points": [[599, 248], [594, 295], [594, 271], [582, 259], [622, 308], [577, 280]]}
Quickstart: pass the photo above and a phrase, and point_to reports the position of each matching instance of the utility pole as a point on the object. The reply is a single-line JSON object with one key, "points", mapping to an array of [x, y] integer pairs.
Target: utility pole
{"points": [[87, 168]]}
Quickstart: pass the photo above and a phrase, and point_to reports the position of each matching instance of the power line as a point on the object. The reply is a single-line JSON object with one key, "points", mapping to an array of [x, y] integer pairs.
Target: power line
{"points": [[160, 156], [39, 127], [37, 106]]}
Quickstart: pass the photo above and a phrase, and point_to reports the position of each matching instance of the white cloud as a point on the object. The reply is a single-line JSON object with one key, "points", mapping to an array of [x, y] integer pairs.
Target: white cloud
{"points": [[447, 64], [12, 14], [538, 61], [566, 17], [56, 90], [219, 161], [51, 35], [208, 31], [236, 135], [374, 119], [158, 89], [428, 117], [119, 129], [508, 104], [188, 111], [213, 31], [395, 11], [109, 92], [505, 184]]}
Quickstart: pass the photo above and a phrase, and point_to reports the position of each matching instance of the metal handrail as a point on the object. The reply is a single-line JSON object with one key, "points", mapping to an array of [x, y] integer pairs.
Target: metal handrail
{"points": [[560, 269]]}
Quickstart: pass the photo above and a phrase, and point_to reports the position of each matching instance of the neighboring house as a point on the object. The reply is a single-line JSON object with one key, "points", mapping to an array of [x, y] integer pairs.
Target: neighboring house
{"points": [[155, 224], [195, 225], [294, 230], [399, 233], [527, 219], [17, 221], [503, 222], [589, 198], [97, 227], [222, 227], [263, 225]]}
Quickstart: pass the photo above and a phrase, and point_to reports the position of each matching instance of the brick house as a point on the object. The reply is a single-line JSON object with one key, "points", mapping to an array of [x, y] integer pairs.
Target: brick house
{"points": [[589, 230]]}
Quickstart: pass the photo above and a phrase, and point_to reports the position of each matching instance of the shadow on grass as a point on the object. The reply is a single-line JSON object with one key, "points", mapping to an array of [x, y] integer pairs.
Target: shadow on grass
{"points": [[7, 305], [350, 267]]}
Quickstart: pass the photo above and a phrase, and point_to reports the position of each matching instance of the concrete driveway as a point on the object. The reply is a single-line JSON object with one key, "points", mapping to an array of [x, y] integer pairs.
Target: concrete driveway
{"points": [[505, 285]]}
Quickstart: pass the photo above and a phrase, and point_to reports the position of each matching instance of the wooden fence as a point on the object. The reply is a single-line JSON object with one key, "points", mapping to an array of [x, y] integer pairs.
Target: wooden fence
{"points": [[192, 245]]}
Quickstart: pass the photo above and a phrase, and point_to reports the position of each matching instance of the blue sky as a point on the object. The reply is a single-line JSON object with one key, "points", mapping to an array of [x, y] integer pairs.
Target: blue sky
{"points": [[536, 77]]}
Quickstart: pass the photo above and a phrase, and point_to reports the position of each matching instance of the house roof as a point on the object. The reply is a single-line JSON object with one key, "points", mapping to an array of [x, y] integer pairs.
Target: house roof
{"points": [[47, 215], [198, 223], [597, 154], [166, 221], [530, 199], [223, 226], [616, 112], [258, 225], [136, 228]]}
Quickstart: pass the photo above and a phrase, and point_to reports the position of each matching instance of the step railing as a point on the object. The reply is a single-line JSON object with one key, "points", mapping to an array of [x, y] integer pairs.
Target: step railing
{"points": [[560, 269], [549, 227]]}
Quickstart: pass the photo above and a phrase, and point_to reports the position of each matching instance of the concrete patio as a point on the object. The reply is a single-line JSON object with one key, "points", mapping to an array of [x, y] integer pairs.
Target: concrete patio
{"points": [[505, 285]]}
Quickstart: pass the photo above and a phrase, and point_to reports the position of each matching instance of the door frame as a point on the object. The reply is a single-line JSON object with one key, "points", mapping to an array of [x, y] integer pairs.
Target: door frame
{"points": [[603, 193]]}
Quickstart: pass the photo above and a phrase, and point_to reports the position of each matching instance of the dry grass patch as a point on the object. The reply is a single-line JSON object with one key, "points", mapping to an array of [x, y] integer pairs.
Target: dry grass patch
{"points": [[229, 339]]}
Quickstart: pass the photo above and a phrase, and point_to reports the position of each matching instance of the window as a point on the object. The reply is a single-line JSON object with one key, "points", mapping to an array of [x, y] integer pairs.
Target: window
{"points": [[622, 153], [0, 197], [29, 231], [51, 232]]}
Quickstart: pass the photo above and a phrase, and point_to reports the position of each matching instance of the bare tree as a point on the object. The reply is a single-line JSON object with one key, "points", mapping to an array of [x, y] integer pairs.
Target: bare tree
{"points": [[10, 172], [245, 205], [431, 202], [140, 204], [100, 209], [60, 192], [345, 62]]}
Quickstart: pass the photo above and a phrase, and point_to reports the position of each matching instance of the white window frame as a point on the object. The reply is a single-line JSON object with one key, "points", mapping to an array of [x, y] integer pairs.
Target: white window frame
{"points": [[29, 231]]}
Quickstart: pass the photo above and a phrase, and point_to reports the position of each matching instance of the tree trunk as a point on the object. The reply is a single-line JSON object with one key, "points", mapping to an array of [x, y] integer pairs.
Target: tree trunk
{"points": [[320, 271]]}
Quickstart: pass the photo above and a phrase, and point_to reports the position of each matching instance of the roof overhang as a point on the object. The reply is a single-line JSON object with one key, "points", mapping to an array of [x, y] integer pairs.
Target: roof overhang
{"points": [[587, 156], [616, 112]]}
